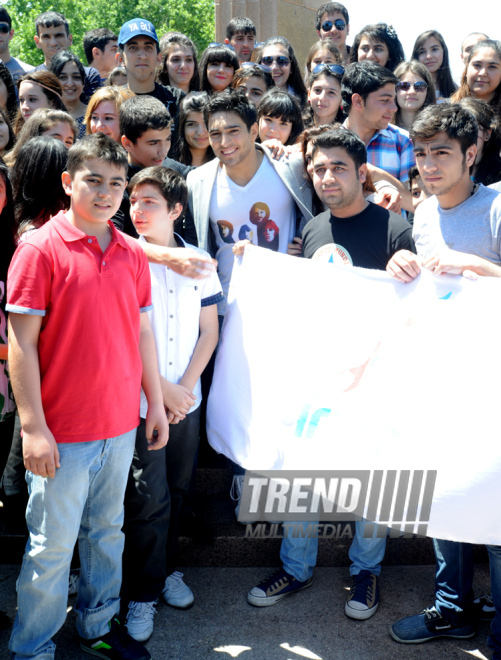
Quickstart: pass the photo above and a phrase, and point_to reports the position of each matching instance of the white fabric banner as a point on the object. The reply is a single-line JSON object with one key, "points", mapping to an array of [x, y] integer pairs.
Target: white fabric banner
{"points": [[324, 367]]}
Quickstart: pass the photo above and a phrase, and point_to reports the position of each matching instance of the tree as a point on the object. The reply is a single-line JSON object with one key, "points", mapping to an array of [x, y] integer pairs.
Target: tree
{"points": [[192, 17]]}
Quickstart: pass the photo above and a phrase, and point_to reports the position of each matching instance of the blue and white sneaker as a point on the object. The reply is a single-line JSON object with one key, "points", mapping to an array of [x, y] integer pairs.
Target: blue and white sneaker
{"points": [[363, 599], [430, 624], [277, 586]]}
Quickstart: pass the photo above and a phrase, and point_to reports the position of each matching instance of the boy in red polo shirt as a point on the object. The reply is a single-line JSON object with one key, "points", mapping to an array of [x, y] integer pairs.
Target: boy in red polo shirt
{"points": [[79, 334]]}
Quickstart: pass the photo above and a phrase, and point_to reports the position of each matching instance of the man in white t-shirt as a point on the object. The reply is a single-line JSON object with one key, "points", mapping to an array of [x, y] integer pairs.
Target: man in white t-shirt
{"points": [[243, 188]]}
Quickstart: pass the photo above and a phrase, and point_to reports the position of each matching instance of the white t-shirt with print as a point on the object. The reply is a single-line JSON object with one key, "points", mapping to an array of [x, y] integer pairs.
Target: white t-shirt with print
{"points": [[262, 211]]}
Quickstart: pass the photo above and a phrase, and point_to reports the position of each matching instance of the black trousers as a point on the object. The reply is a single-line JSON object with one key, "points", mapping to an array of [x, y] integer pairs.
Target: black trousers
{"points": [[158, 482]]}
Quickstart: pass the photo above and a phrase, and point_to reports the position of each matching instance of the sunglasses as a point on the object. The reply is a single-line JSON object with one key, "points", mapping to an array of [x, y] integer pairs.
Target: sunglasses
{"points": [[281, 60], [338, 24], [4, 29], [336, 69], [419, 86], [255, 65], [216, 44]]}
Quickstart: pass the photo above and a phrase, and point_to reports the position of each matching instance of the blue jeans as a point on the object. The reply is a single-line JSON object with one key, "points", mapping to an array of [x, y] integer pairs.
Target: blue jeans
{"points": [[299, 555], [84, 501], [454, 585]]}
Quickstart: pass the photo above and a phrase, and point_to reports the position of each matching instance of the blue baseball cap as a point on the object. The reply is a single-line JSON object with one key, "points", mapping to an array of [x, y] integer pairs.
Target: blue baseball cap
{"points": [[134, 28]]}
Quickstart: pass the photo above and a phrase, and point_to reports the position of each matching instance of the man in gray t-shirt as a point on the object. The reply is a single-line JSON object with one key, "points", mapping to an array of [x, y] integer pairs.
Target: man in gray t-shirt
{"points": [[16, 67], [456, 231]]}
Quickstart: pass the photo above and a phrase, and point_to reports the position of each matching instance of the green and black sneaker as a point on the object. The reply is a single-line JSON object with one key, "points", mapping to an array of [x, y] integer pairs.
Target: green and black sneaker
{"points": [[115, 645]]}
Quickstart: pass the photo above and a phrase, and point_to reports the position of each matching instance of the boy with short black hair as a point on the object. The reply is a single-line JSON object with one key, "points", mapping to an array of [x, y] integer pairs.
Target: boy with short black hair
{"points": [[52, 35], [100, 48], [332, 21], [185, 325], [241, 34], [78, 293], [145, 127]]}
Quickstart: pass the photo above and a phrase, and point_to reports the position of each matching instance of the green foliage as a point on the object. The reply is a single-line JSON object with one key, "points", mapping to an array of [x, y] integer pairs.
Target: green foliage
{"points": [[192, 17]]}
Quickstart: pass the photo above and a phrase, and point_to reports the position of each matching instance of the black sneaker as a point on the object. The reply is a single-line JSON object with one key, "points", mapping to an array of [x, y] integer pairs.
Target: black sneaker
{"points": [[363, 599], [483, 608], [279, 585], [430, 624], [115, 645]]}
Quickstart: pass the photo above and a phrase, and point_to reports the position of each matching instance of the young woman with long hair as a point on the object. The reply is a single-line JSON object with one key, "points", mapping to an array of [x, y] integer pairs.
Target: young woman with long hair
{"points": [[481, 78], [255, 79], [38, 89], [179, 66], [101, 115], [193, 146], [415, 90], [217, 67], [378, 43], [431, 50], [278, 54]]}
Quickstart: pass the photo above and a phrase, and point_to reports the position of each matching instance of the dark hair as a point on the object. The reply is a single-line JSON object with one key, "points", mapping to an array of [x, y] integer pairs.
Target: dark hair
{"points": [[98, 38], [184, 41], [464, 91], [169, 183], [307, 136], [413, 174], [457, 122], [59, 61], [5, 17], [167, 37], [114, 73], [252, 72], [240, 25], [231, 100], [141, 113], [40, 121], [7, 229], [330, 8], [312, 78], [12, 137], [191, 103], [363, 78], [488, 170], [12, 103], [295, 79], [345, 139], [443, 76], [211, 56], [51, 19], [280, 104], [50, 86], [36, 181], [97, 146], [322, 44], [418, 69], [380, 33]]}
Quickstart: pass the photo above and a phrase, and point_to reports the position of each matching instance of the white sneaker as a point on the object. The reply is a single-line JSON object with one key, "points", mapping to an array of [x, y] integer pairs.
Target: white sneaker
{"points": [[139, 620], [176, 593]]}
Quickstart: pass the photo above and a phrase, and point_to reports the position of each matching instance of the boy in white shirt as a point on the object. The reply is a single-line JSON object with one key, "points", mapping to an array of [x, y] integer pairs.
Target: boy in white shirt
{"points": [[185, 324]]}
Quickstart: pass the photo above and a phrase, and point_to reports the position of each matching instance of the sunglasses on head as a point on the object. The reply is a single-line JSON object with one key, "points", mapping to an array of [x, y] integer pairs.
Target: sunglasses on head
{"points": [[4, 29], [281, 60], [338, 24], [419, 86], [216, 44], [255, 65], [336, 69]]}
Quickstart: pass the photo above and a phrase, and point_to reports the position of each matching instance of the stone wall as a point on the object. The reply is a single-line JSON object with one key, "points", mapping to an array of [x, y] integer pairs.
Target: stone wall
{"points": [[294, 20]]}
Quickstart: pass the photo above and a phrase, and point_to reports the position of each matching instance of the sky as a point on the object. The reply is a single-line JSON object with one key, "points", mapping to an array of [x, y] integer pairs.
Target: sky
{"points": [[454, 19]]}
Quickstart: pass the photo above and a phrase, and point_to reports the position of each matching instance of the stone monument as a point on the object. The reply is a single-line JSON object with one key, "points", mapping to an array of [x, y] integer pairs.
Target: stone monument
{"points": [[293, 20]]}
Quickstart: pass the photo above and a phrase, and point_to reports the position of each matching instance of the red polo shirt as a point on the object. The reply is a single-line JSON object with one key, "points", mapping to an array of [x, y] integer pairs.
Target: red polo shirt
{"points": [[90, 364]]}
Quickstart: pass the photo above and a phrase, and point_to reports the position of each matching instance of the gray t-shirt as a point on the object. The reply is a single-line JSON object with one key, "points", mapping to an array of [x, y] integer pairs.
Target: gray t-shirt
{"points": [[473, 227], [17, 68]]}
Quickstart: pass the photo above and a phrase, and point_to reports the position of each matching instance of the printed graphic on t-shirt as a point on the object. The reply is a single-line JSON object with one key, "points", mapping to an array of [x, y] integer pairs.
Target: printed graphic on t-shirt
{"points": [[333, 254], [225, 231], [267, 230]]}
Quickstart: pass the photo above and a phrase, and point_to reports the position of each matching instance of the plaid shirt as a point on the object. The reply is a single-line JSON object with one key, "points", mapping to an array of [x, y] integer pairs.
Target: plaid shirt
{"points": [[391, 149]]}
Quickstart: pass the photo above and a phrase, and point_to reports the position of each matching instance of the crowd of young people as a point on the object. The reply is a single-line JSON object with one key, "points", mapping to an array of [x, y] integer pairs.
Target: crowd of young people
{"points": [[130, 184]]}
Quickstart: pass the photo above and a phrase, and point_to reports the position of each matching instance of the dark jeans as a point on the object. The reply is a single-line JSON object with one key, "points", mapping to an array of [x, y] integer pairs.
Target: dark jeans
{"points": [[158, 481], [6, 431], [454, 585]]}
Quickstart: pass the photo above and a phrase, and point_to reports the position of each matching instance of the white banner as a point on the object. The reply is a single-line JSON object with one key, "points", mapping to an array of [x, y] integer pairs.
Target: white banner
{"points": [[323, 367]]}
